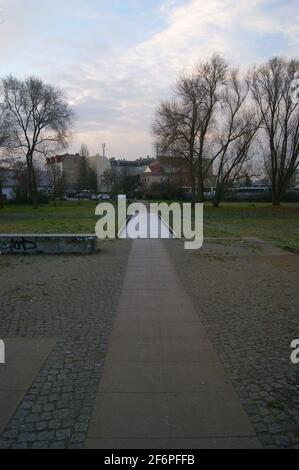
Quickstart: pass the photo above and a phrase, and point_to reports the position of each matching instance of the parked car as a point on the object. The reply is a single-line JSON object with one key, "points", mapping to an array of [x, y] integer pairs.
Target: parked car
{"points": [[86, 195], [104, 197], [70, 194]]}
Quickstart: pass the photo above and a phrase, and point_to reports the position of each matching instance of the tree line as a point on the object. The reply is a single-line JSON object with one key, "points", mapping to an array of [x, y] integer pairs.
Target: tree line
{"points": [[239, 123]]}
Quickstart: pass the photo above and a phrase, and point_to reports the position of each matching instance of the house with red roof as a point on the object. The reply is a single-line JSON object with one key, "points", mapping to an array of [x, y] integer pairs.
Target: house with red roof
{"points": [[172, 173]]}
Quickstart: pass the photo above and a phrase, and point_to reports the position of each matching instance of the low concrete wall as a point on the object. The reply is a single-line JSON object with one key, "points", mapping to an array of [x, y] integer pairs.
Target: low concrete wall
{"points": [[54, 244]]}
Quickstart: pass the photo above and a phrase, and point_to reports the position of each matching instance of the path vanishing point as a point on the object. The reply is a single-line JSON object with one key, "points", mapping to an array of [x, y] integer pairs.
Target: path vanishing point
{"points": [[163, 385]]}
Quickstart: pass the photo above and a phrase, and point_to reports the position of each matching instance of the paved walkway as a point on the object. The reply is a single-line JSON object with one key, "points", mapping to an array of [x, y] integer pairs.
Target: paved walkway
{"points": [[162, 385], [146, 224]]}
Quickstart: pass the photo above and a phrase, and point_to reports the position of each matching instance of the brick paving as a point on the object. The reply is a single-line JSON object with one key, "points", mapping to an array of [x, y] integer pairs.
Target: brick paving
{"points": [[162, 385], [246, 299], [73, 299], [248, 302]]}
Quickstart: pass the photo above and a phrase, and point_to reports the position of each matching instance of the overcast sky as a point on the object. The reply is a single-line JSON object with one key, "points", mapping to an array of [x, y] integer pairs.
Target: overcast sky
{"points": [[116, 59]]}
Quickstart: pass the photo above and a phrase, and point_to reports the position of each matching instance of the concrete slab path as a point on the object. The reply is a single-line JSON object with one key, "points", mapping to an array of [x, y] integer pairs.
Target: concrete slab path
{"points": [[24, 357], [163, 385]]}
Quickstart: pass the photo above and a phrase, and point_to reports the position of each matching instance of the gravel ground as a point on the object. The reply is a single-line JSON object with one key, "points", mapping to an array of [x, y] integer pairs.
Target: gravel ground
{"points": [[247, 298], [74, 299]]}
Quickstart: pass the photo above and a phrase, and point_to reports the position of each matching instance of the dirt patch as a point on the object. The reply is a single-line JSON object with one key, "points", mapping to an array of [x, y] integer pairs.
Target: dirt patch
{"points": [[288, 262]]}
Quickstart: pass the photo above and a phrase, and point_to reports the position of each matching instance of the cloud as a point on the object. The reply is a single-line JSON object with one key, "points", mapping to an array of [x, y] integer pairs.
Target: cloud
{"points": [[117, 60]]}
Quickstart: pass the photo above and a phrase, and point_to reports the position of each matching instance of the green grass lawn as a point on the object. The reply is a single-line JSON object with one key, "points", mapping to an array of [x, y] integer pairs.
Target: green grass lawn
{"points": [[66, 217], [278, 225]]}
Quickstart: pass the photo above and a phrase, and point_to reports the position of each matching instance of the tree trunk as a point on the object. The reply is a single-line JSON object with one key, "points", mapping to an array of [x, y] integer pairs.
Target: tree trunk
{"points": [[200, 186], [282, 188], [275, 196], [34, 195], [193, 193], [32, 188], [275, 201], [193, 185], [217, 197], [201, 196]]}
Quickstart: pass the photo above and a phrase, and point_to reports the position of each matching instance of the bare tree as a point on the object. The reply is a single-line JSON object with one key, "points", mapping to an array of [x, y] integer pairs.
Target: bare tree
{"points": [[4, 161], [236, 125], [175, 127], [279, 112], [57, 181], [40, 120], [107, 180], [212, 77], [182, 125], [157, 149], [84, 152], [4, 167]]}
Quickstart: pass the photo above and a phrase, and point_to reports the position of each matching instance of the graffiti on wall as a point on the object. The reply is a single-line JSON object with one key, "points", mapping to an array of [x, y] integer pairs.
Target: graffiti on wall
{"points": [[17, 245]]}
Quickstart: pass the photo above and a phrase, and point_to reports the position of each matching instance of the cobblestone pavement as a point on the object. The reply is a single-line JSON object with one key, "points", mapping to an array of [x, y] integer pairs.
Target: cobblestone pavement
{"points": [[71, 298], [248, 302]]}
